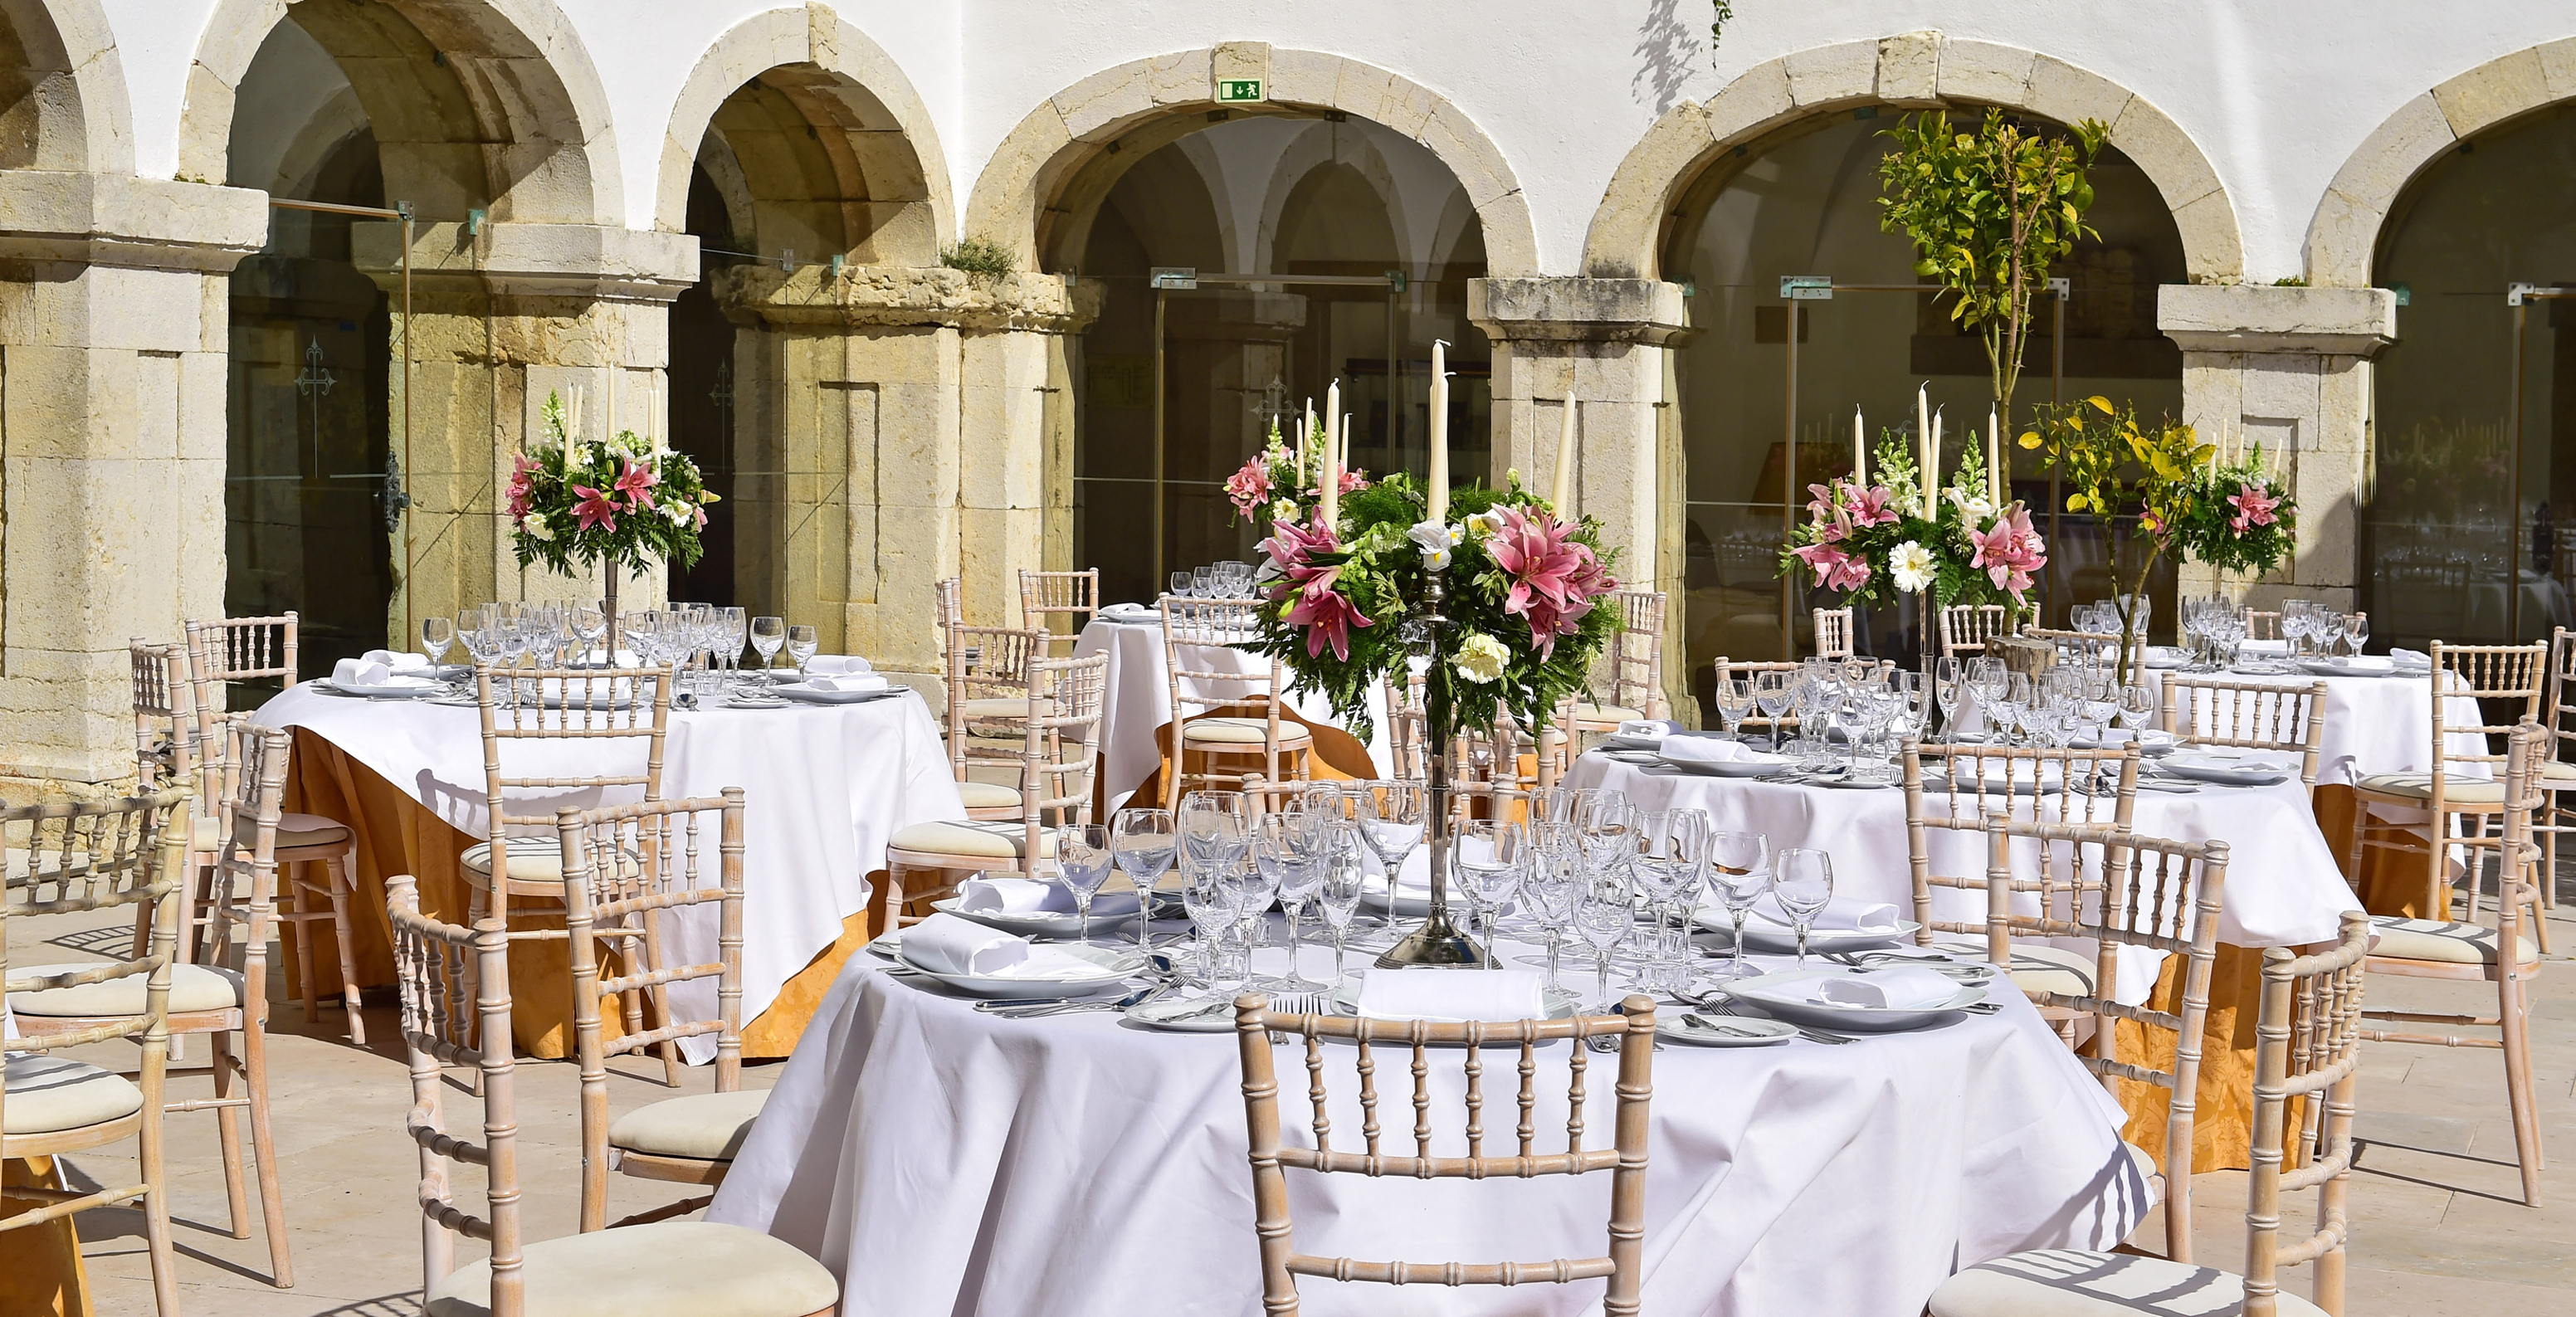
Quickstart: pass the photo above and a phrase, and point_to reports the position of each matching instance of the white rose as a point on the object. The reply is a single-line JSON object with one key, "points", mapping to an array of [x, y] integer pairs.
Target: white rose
{"points": [[1481, 659], [535, 528]]}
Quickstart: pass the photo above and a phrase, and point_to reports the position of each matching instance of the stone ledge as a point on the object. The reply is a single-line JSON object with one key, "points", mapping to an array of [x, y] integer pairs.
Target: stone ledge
{"points": [[2262, 318], [117, 219], [1565, 307], [538, 260], [910, 295]]}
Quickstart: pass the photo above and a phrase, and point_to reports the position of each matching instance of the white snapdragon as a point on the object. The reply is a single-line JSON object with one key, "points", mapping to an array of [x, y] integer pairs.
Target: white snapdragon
{"points": [[1435, 540]]}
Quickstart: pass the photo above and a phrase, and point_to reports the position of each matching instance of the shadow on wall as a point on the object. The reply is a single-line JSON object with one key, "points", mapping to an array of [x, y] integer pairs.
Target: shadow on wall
{"points": [[1668, 52]]}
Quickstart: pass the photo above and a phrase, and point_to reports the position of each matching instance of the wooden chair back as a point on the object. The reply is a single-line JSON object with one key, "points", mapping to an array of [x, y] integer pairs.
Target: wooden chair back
{"points": [[1060, 746], [2559, 696], [601, 711], [1745, 670], [2119, 889], [1047, 597], [2262, 624], [244, 864], [2038, 784], [455, 1011], [1407, 705], [1624, 1158], [627, 869], [165, 716], [1634, 662], [1966, 628], [1833, 633], [2248, 716], [988, 668], [2306, 1047], [231, 649], [1191, 629]]}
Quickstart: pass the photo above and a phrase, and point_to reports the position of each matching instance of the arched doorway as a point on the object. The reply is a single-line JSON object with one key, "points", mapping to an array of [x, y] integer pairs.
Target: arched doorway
{"points": [[1804, 202], [1294, 249], [2466, 524]]}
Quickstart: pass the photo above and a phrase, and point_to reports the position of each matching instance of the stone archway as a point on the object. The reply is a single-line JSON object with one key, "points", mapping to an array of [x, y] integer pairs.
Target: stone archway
{"points": [[1047, 168], [86, 126], [1916, 69], [2343, 236]]}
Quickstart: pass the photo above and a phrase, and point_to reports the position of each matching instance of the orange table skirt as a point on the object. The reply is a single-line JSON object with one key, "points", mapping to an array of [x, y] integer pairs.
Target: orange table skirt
{"points": [[43, 1272], [396, 835]]}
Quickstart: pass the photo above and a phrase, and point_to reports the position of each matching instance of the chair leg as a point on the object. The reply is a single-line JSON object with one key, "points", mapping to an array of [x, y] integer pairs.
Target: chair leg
{"points": [[296, 917], [272, 1203], [2514, 1017], [344, 885], [661, 992], [156, 1218], [228, 1129], [477, 901]]}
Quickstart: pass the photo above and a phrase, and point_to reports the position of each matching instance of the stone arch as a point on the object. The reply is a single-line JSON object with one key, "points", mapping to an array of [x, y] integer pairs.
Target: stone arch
{"points": [[490, 104], [1917, 69], [63, 104], [836, 77], [2343, 236], [1314, 149], [1058, 159]]}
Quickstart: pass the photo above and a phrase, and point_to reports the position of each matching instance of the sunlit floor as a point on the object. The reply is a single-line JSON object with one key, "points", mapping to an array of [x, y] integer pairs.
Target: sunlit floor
{"points": [[2438, 1222]]}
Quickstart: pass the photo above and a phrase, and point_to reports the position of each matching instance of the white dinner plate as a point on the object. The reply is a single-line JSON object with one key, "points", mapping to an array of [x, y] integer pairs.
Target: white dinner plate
{"points": [[2368, 665], [804, 694], [1762, 935], [1784, 995], [1185, 1014], [1561, 1005], [1115, 966], [1728, 768], [391, 688], [2223, 769], [2165, 658], [1108, 910], [1726, 1030]]}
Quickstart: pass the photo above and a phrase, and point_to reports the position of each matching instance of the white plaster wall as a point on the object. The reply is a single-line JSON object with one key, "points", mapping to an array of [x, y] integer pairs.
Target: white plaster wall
{"points": [[2277, 93]]}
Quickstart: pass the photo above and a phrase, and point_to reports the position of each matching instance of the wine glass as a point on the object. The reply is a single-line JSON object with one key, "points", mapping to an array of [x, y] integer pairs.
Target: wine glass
{"points": [[2356, 630], [1802, 881], [1202, 583], [1180, 585], [1605, 828], [802, 641], [1286, 845], [1552, 889], [1672, 848], [767, 635], [1775, 692], [1254, 891], [2137, 706], [590, 623], [1209, 900], [731, 626], [1734, 699], [1489, 856], [1344, 875], [1144, 843], [1082, 860], [1391, 818], [1739, 872], [1602, 918]]}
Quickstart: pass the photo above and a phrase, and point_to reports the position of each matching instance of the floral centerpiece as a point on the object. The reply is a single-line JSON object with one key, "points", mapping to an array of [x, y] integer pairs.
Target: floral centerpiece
{"points": [[1958, 544], [622, 501]]}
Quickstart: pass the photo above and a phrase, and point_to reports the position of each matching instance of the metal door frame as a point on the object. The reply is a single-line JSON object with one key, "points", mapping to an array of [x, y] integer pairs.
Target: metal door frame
{"points": [[2520, 297]]}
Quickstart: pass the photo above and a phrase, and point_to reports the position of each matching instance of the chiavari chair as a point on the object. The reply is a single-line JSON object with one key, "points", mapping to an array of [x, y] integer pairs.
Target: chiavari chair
{"points": [[1272, 1155], [211, 997], [2305, 1050], [2461, 788], [456, 1012], [2248, 716], [2118, 889], [1727, 670], [1226, 747], [75, 859], [2067, 787], [1046, 597], [1060, 729], [1967, 628], [988, 692], [633, 866], [1634, 665], [2262, 624], [240, 649], [1833, 633], [2444, 949], [2557, 772]]}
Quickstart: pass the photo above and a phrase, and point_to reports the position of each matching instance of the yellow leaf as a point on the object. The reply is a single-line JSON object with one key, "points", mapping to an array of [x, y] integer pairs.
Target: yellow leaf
{"points": [[2075, 502], [2030, 440], [2104, 403]]}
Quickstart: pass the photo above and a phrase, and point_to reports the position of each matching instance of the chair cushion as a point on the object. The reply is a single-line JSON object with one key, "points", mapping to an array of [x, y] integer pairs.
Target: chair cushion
{"points": [[999, 706], [988, 795], [50, 1093], [534, 862], [1243, 731], [2071, 1283], [1587, 714], [999, 839], [2036, 967], [292, 830], [192, 988], [2400, 938], [709, 1126], [2419, 786], [678, 1268]]}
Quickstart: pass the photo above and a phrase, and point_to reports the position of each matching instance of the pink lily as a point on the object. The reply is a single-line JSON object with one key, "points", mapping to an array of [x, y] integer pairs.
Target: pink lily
{"points": [[595, 508], [636, 483], [2254, 506]]}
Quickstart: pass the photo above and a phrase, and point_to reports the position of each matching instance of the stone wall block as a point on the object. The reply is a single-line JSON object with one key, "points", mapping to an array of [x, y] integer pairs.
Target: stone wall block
{"points": [[2341, 241], [1750, 104], [917, 438], [2211, 238], [2069, 94], [2281, 384], [1477, 162], [2386, 159], [1238, 59], [2493, 92], [1633, 203], [2181, 172], [1510, 243], [48, 402], [2343, 406], [2558, 68], [1105, 98], [1303, 77], [1984, 71], [1909, 68], [1830, 75], [1183, 77]]}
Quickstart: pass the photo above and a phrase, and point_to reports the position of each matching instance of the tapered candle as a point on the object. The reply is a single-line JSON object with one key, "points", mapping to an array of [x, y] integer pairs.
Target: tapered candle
{"points": [[1439, 498], [1994, 459], [1332, 474], [1562, 494], [1305, 433], [1923, 442], [1932, 469], [1860, 455]]}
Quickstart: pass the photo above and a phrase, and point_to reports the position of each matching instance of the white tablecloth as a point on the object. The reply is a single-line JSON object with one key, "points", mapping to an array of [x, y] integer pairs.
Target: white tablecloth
{"points": [[1139, 699], [2373, 724], [824, 788], [941, 1160]]}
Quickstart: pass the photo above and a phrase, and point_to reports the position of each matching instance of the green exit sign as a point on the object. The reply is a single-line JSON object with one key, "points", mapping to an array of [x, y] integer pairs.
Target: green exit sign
{"points": [[1232, 90]]}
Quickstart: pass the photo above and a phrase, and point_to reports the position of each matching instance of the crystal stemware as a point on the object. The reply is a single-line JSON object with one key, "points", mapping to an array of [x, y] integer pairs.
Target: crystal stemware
{"points": [[1339, 893], [1287, 845], [1391, 818], [1739, 872], [802, 642], [768, 634], [1603, 918], [1082, 861], [1145, 843], [1489, 857], [1802, 881]]}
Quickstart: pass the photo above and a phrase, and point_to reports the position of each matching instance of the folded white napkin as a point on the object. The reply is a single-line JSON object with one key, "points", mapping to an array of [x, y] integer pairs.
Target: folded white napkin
{"points": [[1453, 994], [1131, 613], [835, 665], [2242, 760], [1028, 896], [855, 681], [2370, 663], [626, 658], [1645, 729], [2411, 658], [2263, 647], [1842, 914], [1415, 880], [396, 661], [359, 672], [1710, 750], [1901, 987], [952, 945]]}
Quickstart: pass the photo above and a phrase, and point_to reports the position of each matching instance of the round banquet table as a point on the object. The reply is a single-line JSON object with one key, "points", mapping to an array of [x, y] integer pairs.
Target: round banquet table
{"points": [[825, 787], [1138, 700], [2283, 889], [939, 1159]]}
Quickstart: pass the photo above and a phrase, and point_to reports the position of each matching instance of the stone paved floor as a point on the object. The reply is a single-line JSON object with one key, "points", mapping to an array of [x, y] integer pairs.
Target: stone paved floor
{"points": [[2438, 1224]]}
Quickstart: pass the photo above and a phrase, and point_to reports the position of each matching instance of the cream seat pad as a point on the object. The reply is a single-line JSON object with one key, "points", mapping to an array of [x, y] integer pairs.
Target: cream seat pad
{"points": [[999, 839], [2073, 1283], [707, 1126], [192, 988], [665, 1269], [52, 1093], [1243, 731]]}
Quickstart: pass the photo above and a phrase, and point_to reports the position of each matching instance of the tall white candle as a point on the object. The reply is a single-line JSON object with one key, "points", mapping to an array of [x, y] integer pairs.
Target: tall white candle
{"points": [[1932, 469], [1860, 455], [1439, 496], [1305, 433], [1332, 479], [1562, 492], [1923, 442], [1994, 459]]}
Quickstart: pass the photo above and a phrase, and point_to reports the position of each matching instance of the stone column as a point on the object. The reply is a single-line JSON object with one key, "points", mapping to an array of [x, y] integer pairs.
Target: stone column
{"points": [[501, 317], [1604, 344], [2288, 368], [113, 326], [909, 416]]}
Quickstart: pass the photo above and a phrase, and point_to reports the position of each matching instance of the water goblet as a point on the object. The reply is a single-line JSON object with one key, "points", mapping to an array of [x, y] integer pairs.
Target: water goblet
{"points": [[1082, 860], [1339, 893], [1739, 872], [1734, 700], [1802, 881], [1488, 857], [1202, 582], [1774, 692], [1180, 585], [1392, 815], [1145, 841], [768, 635], [1672, 850], [802, 641], [1209, 900], [732, 626], [1603, 919], [1287, 846]]}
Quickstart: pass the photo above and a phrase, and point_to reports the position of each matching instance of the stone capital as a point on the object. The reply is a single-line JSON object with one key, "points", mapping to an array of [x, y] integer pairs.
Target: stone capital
{"points": [[2349, 322], [902, 295], [119, 220], [590, 261], [1576, 309]]}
